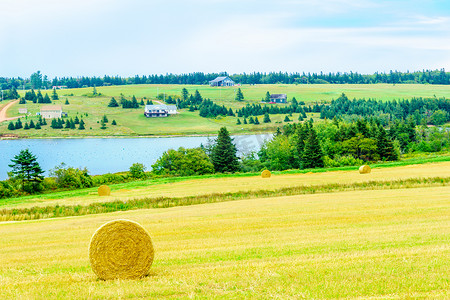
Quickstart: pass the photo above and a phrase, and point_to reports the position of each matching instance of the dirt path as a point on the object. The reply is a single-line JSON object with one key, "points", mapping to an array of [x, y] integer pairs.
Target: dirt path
{"points": [[3, 112]]}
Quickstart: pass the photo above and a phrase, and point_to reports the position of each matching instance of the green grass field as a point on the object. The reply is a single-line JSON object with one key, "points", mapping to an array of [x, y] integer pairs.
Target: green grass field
{"points": [[378, 244], [131, 122]]}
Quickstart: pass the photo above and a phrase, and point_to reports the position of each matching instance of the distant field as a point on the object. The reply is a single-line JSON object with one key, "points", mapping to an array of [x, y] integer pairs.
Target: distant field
{"points": [[131, 122], [359, 244]]}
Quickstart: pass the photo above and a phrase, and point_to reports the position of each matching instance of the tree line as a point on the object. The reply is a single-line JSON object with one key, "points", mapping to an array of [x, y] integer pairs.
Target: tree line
{"points": [[38, 80]]}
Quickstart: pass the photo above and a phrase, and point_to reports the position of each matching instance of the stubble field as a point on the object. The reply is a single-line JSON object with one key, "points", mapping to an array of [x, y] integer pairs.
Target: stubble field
{"points": [[374, 243]]}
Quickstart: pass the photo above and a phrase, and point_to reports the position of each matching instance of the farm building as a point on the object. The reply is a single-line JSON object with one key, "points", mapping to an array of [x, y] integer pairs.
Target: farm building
{"points": [[159, 110], [278, 98], [222, 81], [23, 110], [51, 111]]}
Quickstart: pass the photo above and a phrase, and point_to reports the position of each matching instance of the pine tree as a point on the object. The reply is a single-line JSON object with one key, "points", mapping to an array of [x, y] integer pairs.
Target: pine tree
{"points": [[26, 169], [385, 146], [266, 118], [312, 155], [251, 121], [245, 121], [267, 98], [286, 119], [238, 122], [47, 99], [105, 119], [26, 127], [18, 124], [32, 125], [256, 121], [54, 95], [102, 124], [239, 95], [11, 126], [38, 126], [184, 94], [142, 102], [67, 102], [81, 126], [113, 103], [71, 124], [77, 121], [223, 153], [113, 122], [39, 97]]}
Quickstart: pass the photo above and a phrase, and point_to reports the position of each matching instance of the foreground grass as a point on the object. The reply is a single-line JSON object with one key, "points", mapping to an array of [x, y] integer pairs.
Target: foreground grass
{"points": [[358, 244]]}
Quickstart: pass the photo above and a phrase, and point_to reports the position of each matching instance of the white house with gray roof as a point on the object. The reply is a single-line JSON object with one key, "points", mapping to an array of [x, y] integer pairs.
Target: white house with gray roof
{"points": [[159, 110], [222, 81]]}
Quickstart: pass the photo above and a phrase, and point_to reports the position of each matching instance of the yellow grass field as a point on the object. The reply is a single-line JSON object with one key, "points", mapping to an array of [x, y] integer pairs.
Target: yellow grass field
{"points": [[381, 244], [235, 184]]}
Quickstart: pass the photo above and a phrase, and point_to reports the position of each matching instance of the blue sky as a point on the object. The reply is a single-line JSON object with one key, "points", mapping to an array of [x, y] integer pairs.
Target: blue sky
{"points": [[116, 37]]}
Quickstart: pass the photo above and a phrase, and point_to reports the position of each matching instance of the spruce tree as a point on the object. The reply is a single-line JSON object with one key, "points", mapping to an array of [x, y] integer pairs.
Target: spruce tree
{"points": [[38, 126], [223, 153], [67, 102], [267, 98], [286, 119], [26, 127], [256, 121], [238, 122], [184, 94], [18, 124], [54, 95], [239, 95], [11, 126], [312, 155], [251, 121], [77, 121], [32, 125], [113, 103], [47, 99], [105, 119], [385, 146], [266, 118], [245, 121], [26, 169], [113, 122], [81, 126]]}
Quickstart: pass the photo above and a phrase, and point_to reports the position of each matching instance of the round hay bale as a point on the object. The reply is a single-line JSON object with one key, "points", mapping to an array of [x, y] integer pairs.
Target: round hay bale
{"points": [[104, 190], [121, 249], [365, 169], [265, 174]]}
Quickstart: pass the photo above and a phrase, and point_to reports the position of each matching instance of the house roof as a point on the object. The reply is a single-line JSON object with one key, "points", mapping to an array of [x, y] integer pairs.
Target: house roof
{"points": [[220, 78], [51, 107], [161, 107], [277, 96]]}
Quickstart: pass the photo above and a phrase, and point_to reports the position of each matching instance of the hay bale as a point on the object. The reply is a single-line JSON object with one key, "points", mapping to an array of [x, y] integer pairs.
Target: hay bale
{"points": [[104, 190], [364, 169], [121, 249], [265, 174]]}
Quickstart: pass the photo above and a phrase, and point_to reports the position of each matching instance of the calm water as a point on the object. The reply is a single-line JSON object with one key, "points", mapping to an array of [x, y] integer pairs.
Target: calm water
{"points": [[108, 155]]}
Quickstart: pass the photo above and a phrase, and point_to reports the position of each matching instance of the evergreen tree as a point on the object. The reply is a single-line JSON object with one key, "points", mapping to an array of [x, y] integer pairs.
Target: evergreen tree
{"points": [[67, 124], [18, 124], [71, 124], [77, 121], [286, 119], [385, 146], [256, 121], [142, 102], [102, 124], [197, 97], [39, 97], [223, 153], [113, 103], [26, 169], [184, 94], [55, 95], [11, 126], [38, 126], [312, 155], [81, 126], [238, 122], [245, 121], [113, 122], [67, 102], [251, 121], [267, 98], [22, 101], [266, 118], [239, 95], [32, 125], [47, 99], [105, 119], [26, 127]]}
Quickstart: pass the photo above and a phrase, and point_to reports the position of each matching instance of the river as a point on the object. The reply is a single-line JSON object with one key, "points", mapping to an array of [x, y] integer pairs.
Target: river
{"points": [[108, 155]]}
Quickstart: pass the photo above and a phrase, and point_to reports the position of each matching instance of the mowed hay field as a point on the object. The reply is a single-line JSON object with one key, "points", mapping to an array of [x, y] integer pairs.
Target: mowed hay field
{"points": [[382, 243], [204, 186], [359, 244]]}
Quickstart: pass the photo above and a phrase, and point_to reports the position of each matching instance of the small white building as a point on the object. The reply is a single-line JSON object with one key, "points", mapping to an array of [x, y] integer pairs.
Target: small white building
{"points": [[23, 110], [159, 110], [51, 111]]}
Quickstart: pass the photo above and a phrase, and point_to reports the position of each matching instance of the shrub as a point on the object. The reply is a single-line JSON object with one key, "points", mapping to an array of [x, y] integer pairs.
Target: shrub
{"points": [[137, 170], [69, 177]]}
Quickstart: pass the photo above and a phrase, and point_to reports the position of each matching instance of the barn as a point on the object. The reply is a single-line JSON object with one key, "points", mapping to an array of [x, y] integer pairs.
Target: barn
{"points": [[222, 81]]}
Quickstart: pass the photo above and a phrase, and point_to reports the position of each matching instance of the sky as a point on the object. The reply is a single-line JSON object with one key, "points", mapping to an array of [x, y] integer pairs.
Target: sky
{"points": [[142, 37]]}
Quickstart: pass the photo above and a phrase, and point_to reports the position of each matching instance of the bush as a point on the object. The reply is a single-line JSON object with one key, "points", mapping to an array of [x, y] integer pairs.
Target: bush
{"points": [[184, 162], [137, 170], [342, 161], [69, 177]]}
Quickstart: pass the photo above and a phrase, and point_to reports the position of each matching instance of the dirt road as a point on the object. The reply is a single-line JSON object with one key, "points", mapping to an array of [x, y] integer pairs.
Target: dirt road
{"points": [[3, 112]]}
